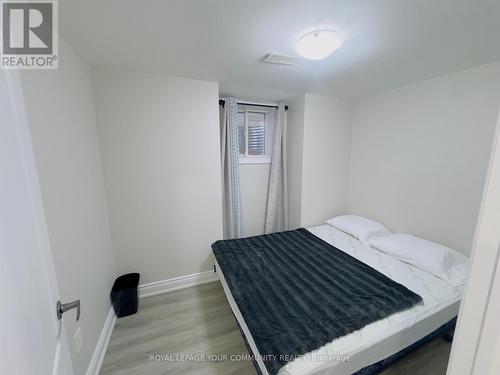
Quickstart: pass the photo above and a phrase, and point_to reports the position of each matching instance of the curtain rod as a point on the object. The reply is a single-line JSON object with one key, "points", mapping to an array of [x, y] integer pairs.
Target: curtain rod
{"points": [[222, 102]]}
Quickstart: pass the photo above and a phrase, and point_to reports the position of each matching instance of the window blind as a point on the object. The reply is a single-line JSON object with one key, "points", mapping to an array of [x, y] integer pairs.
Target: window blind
{"points": [[252, 134], [256, 133]]}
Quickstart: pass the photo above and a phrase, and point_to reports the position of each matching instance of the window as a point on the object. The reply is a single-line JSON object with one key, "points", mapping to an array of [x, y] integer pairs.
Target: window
{"points": [[254, 136]]}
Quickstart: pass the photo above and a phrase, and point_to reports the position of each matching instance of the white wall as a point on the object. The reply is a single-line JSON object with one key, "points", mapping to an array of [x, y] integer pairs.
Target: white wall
{"points": [[61, 115], [325, 157], [295, 139], [161, 156], [254, 178], [254, 182], [420, 154], [318, 142]]}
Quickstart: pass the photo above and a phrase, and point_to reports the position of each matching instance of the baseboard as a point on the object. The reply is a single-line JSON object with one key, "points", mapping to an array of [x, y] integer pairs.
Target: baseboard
{"points": [[102, 344], [164, 286]]}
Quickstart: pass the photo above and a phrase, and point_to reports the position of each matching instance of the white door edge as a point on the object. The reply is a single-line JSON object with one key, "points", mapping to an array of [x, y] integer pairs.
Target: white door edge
{"points": [[62, 359], [484, 258]]}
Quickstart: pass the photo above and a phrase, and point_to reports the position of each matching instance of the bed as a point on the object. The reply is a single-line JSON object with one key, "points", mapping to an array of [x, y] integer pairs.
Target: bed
{"points": [[379, 340]]}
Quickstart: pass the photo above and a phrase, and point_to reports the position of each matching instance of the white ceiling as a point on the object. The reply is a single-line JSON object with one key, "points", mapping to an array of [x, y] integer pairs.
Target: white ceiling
{"points": [[388, 43]]}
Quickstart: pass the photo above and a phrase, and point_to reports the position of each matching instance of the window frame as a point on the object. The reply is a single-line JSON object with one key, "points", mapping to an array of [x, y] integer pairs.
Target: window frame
{"points": [[255, 159]]}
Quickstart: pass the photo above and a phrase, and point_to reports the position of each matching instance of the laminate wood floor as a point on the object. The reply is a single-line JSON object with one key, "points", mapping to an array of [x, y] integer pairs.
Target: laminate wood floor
{"points": [[198, 321]]}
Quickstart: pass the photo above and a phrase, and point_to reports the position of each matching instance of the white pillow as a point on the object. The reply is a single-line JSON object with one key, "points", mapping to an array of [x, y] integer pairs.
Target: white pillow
{"points": [[441, 261], [359, 227]]}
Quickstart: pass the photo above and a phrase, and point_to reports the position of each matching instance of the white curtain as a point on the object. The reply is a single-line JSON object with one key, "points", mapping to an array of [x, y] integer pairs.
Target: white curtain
{"points": [[277, 196], [231, 199]]}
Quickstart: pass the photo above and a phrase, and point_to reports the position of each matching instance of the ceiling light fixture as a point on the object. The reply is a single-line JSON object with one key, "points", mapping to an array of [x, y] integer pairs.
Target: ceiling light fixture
{"points": [[318, 44]]}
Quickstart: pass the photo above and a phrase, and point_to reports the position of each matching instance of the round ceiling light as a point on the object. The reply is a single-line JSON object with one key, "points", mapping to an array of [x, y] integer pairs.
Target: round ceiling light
{"points": [[318, 44]]}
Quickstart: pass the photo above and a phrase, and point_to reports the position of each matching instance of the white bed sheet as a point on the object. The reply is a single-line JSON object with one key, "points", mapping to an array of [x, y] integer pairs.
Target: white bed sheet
{"points": [[382, 338]]}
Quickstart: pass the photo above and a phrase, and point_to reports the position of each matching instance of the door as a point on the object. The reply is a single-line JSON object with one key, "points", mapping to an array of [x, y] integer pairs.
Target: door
{"points": [[476, 346], [32, 339]]}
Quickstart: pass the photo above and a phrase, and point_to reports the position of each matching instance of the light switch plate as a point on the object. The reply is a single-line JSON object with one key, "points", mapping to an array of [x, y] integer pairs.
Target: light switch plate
{"points": [[77, 338]]}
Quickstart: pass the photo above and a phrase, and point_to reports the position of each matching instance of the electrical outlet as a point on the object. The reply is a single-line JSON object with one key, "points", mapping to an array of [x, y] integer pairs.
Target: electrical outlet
{"points": [[77, 338]]}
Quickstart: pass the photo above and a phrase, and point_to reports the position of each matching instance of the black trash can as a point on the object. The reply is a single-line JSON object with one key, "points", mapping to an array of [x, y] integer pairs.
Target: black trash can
{"points": [[124, 295]]}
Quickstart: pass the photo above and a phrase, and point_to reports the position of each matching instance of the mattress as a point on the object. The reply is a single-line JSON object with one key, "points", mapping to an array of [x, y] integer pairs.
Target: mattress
{"points": [[380, 339]]}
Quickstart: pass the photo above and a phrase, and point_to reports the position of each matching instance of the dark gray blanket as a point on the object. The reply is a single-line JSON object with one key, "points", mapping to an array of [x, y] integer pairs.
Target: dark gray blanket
{"points": [[297, 292]]}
